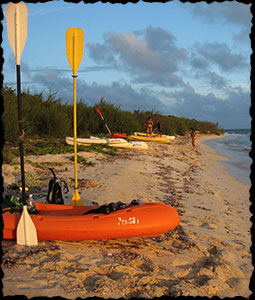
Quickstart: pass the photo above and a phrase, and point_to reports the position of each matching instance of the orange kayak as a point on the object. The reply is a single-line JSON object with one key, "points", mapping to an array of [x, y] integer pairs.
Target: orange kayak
{"points": [[68, 223], [117, 135]]}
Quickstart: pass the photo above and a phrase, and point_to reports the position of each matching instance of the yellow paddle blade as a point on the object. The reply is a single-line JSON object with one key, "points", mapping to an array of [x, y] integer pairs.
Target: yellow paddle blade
{"points": [[26, 231], [76, 200], [74, 47], [17, 28]]}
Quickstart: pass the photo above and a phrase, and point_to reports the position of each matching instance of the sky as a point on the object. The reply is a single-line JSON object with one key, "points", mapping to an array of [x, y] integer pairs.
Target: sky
{"points": [[189, 60]]}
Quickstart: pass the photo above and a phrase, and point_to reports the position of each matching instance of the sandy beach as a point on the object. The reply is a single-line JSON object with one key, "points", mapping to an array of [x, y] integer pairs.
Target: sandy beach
{"points": [[208, 254]]}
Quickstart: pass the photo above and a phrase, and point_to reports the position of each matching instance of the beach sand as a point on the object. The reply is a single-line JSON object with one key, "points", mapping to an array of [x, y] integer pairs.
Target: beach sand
{"points": [[208, 254]]}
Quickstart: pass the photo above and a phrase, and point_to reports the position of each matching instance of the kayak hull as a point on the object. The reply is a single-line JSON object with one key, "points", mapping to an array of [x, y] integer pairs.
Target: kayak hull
{"points": [[117, 135], [170, 137], [85, 141], [135, 145], [68, 223], [113, 142], [143, 137], [95, 140]]}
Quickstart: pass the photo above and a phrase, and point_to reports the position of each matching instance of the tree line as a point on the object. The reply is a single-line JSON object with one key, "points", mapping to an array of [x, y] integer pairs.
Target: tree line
{"points": [[52, 118]]}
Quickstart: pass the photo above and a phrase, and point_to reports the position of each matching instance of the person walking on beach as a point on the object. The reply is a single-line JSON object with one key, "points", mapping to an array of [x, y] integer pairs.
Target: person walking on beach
{"points": [[193, 136], [149, 126]]}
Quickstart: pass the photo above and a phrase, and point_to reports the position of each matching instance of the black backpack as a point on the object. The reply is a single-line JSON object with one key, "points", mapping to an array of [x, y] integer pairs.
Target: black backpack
{"points": [[55, 189]]}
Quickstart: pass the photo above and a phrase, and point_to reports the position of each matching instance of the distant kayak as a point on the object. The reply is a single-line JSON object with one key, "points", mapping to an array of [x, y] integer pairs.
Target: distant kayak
{"points": [[117, 135], [139, 136], [113, 142], [95, 140], [117, 141], [86, 141], [70, 223], [135, 145], [171, 137]]}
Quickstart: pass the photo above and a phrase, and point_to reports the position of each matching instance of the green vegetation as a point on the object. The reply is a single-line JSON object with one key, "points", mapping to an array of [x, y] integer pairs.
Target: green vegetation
{"points": [[51, 118], [44, 163], [50, 146], [81, 160], [46, 123], [33, 179]]}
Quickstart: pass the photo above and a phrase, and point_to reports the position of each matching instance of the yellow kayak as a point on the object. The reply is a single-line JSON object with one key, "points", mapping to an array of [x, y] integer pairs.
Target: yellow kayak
{"points": [[171, 137], [137, 136]]}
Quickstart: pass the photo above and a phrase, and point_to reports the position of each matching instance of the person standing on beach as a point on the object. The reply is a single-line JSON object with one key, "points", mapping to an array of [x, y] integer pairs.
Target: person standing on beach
{"points": [[149, 126], [159, 129], [193, 136]]}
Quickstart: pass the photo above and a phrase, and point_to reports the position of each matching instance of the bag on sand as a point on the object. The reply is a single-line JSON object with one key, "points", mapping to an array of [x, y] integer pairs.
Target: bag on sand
{"points": [[55, 189]]}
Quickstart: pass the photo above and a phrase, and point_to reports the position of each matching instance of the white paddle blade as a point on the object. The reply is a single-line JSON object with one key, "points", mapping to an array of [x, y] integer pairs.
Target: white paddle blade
{"points": [[17, 28], [74, 47], [26, 231]]}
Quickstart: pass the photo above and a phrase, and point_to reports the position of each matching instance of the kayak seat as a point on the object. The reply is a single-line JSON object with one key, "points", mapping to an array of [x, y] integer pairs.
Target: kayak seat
{"points": [[111, 207]]}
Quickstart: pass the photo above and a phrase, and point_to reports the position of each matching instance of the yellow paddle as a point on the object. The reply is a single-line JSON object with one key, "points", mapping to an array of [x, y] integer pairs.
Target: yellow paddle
{"points": [[17, 35], [74, 53]]}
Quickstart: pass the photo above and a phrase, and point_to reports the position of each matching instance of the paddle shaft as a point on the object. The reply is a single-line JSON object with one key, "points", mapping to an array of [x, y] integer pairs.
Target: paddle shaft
{"points": [[75, 133], [76, 200], [21, 136], [100, 114], [107, 128]]}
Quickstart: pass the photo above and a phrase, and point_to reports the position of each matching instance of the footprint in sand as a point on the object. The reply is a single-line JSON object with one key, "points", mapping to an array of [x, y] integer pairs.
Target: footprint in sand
{"points": [[208, 225]]}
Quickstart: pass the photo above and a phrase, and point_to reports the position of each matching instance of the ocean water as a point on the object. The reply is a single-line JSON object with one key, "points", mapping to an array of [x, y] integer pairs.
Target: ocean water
{"points": [[235, 145]]}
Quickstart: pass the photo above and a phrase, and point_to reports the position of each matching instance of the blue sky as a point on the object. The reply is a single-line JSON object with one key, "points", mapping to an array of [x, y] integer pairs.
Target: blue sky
{"points": [[184, 59]]}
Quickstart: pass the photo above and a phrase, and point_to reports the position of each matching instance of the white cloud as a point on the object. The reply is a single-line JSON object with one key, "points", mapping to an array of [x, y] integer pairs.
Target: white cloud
{"points": [[138, 55]]}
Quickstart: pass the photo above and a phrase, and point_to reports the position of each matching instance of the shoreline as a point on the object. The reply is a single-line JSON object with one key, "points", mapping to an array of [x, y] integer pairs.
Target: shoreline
{"points": [[208, 254], [234, 164]]}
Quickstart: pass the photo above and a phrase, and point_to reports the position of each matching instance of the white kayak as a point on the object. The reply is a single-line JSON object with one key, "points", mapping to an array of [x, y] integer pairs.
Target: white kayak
{"points": [[170, 137], [115, 142], [86, 141], [95, 140], [118, 142], [135, 145]]}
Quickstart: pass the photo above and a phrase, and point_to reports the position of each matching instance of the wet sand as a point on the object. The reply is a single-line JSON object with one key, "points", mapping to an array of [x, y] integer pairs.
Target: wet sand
{"points": [[208, 254]]}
